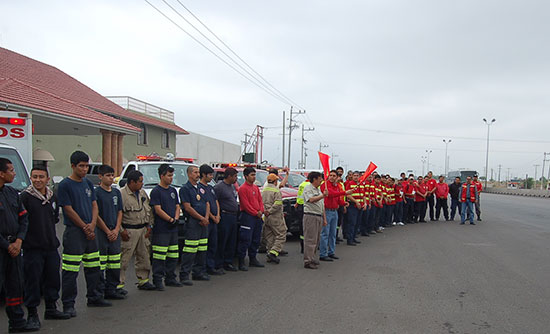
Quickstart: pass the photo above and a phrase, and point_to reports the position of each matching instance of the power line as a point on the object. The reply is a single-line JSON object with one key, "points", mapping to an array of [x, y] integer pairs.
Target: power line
{"points": [[222, 51], [215, 54], [236, 55], [428, 135]]}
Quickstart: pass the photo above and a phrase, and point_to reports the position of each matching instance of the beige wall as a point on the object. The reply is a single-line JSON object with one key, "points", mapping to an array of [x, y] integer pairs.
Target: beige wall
{"points": [[61, 147]]}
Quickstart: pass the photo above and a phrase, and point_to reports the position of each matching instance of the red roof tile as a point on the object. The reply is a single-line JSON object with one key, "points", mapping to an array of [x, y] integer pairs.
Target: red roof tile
{"points": [[50, 80], [16, 92]]}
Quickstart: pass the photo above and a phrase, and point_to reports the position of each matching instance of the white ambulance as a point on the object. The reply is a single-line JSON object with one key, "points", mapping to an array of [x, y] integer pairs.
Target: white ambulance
{"points": [[16, 144]]}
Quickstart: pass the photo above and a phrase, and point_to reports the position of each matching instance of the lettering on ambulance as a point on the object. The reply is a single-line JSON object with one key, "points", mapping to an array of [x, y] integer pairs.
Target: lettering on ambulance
{"points": [[14, 132]]}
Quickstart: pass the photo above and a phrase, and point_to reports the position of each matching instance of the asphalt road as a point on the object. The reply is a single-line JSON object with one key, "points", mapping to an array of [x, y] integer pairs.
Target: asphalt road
{"points": [[439, 277]]}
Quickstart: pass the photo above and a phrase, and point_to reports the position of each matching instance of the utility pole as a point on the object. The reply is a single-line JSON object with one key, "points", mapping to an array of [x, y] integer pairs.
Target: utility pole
{"points": [[447, 142], [321, 146], [302, 159], [487, 157], [492, 178], [332, 159], [542, 173], [508, 178], [305, 157], [283, 158], [499, 168], [428, 161], [291, 127], [536, 167]]}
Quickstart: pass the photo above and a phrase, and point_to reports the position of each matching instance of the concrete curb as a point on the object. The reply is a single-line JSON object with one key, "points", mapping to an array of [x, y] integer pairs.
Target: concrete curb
{"points": [[519, 192]]}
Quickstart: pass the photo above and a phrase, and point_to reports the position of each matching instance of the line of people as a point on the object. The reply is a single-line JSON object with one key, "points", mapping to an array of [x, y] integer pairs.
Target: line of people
{"points": [[367, 205], [105, 227]]}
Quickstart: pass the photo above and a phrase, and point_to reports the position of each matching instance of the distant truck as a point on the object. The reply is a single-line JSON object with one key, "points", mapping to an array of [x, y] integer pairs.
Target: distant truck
{"points": [[463, 174]]}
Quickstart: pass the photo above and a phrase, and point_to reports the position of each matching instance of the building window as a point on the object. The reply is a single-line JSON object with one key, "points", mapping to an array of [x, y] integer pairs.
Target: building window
{"points": [[142, 136], [165, 141]]}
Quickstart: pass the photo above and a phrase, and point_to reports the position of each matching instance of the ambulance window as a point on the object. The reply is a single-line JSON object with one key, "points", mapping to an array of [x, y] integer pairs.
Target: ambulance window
{"points": [[21, 180]]}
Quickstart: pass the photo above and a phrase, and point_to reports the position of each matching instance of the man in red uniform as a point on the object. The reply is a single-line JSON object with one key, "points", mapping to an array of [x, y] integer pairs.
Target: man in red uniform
{"points": [[479, 188], [441, 194], [431, 184], [378, 198], [421, 191], [354, 209], [468, 196], [252, 210], [408, 200], [333, 201], [398, 191], [390, 201]]}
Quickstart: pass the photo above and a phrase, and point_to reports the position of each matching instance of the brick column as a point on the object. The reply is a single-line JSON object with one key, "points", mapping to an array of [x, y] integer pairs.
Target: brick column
{"points": [[106, 147], [114, 151], [120, 153]]}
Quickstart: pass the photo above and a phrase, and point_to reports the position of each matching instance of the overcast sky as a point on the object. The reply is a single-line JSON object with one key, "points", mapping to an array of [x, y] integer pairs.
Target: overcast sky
{"points": [[380, 81]]}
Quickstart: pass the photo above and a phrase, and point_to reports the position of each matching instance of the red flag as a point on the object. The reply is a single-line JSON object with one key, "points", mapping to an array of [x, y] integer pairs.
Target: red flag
{"points": [[372, 167], [325, 163]]}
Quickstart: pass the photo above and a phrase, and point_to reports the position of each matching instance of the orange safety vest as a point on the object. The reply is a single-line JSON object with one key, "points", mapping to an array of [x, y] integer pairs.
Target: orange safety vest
{"points": [[472, 192]]}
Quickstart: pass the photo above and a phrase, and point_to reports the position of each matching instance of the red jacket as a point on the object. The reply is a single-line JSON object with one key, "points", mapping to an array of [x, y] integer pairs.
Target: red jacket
{"points": [[390, 200], [432, 184], [479, 186], [442, 190], [250, 199], [378, 195], [420, 189], [408, 190], [358, 193], [398, 188], [334, 198]]}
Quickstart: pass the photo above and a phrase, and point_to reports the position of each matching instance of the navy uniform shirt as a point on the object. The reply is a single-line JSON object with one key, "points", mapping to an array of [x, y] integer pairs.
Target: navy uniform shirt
{"points": [[195, 196], [13, 217], [210, 197], [79, 195], [43, 216], [109, 204], [227, 197], [167, 198]]}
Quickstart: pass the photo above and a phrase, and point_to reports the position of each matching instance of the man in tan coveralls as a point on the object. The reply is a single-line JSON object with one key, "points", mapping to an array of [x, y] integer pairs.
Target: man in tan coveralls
{"points": [[136, 228], [274, 222]]}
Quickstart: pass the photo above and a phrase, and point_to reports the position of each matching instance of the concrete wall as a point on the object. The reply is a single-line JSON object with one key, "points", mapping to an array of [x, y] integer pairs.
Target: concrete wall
{"points": [[206, 149], [61, 147]]}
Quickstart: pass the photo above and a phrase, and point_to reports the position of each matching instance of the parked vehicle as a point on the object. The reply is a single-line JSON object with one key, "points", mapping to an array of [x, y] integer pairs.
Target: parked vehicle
{"points": [[289, 194], [21, 180], [16, 131], [148, 166]]}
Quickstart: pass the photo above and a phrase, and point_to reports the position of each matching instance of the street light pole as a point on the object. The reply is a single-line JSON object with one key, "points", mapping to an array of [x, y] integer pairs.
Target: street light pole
{"points": [[321, 146], [428, 161], [447, 142], [423, 159], [487, 155]]}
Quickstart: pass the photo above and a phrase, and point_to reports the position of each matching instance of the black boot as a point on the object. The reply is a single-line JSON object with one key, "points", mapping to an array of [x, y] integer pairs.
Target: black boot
{"points": [[242, 265], [33, 322], [272, 258], [255, 263], [51, 313]]}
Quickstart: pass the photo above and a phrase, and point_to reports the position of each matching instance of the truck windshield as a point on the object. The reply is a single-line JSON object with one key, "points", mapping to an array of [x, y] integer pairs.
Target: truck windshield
{"points": [[151, 175], [21, 180]]}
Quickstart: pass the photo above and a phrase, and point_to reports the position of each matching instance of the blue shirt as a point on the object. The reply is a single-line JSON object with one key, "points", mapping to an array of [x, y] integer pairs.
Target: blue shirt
{"points": [[109, 204], [195, 196], [211, 197], [79, 195], [167, 198]]}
